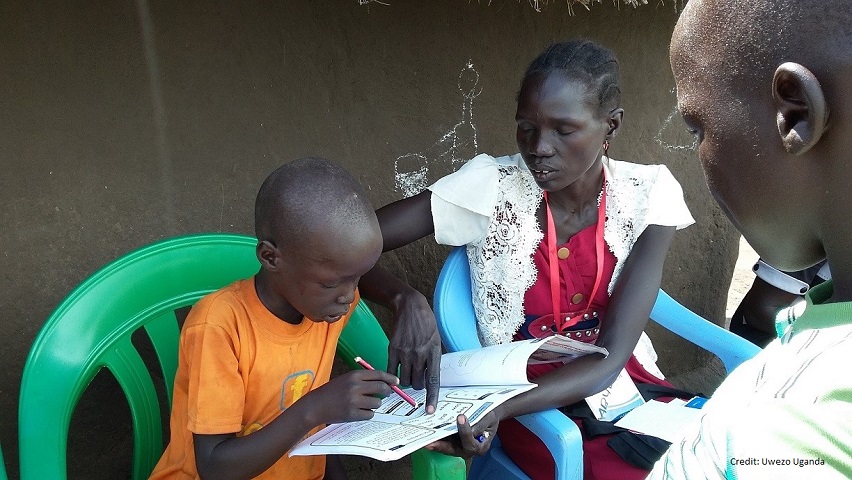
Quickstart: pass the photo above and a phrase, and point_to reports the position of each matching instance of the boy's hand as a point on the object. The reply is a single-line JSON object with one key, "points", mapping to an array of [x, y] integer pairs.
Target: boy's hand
{"points": [[469, 441], [351, 396], [415, 346]]}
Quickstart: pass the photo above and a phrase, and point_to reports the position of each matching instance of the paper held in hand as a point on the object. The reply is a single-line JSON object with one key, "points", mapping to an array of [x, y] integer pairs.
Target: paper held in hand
{"points": [[473, 383]]}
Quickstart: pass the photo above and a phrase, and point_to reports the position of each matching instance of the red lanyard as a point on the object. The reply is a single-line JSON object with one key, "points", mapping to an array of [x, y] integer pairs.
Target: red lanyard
{"points": [[554, 266]]}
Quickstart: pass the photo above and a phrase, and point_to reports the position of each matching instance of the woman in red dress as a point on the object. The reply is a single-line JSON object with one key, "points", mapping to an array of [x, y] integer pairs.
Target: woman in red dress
{"points": [[560, 238]]}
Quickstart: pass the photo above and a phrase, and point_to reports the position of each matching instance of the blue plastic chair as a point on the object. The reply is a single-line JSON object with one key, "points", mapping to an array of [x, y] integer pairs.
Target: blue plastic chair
{"points": [[457, 325]]}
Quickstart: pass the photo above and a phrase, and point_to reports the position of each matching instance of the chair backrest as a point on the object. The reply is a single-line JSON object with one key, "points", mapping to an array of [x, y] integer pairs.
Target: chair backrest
{"points": [[363, 337], [453, 300], [91, 329], [2, 466]]}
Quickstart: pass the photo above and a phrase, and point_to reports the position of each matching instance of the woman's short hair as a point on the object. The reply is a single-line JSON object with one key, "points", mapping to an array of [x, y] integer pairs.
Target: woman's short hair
{"points": [[585, 61]]}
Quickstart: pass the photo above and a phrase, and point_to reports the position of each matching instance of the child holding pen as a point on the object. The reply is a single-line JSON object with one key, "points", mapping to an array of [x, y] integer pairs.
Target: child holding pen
{"points": [[256, 356]]}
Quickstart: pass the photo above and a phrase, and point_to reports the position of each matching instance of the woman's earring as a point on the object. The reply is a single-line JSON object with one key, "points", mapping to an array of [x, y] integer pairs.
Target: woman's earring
{"points": [[606, 148]]}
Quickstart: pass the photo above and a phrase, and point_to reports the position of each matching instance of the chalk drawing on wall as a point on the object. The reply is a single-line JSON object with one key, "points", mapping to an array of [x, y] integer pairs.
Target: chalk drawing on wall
{"points": [[671, 131], [411, 171], [366, 2]]}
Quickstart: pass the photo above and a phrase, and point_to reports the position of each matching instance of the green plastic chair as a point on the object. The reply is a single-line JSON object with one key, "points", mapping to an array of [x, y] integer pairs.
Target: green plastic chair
{"points": [[2, 466], [91, 329]]}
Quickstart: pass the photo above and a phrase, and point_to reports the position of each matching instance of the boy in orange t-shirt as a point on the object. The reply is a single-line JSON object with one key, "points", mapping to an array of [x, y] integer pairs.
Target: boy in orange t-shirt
{"points": [[256, 356]]}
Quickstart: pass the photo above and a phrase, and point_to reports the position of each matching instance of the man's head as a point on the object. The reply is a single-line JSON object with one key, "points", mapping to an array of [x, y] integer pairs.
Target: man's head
{"points": [[761, 82], [317, 234]]}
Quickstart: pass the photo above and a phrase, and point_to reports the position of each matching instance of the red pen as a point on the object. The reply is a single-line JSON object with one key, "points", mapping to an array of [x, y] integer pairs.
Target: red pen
{"points": [[363, 363]]}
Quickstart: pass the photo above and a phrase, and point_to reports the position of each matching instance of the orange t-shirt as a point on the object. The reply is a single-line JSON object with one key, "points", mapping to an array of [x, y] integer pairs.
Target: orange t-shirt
{"points": [[239, 367]]}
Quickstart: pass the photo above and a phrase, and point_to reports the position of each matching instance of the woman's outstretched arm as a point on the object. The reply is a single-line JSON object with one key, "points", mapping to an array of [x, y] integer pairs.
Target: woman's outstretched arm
{"points": [[415, 345], [626, 316], [406, 220]]}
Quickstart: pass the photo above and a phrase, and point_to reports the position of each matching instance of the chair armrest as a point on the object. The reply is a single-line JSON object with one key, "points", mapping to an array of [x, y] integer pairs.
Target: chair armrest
{"points": [[563, 439], [729, 347]]}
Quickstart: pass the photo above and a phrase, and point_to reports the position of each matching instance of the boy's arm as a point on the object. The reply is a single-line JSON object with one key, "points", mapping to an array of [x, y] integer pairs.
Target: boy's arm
{"points": [[347, 398], [415, 346]]}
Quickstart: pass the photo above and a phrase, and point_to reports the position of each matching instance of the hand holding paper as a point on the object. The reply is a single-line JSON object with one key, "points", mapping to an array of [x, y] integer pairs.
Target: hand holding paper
{"points": [[467, 443], [473, 383]]}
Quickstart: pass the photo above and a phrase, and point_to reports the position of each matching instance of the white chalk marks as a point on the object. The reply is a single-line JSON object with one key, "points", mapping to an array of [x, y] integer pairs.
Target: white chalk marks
{"points": [[671, 132], [665, 137], [411, 171]]}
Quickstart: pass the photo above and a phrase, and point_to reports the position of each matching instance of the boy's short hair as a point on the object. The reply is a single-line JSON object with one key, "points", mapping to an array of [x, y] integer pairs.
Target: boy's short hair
{"points": [[306, 194]]}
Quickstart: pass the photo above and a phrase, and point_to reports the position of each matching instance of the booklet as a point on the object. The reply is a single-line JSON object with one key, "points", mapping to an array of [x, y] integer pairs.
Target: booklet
{"points": [[473, 382], [616, 400], [662, 420]]}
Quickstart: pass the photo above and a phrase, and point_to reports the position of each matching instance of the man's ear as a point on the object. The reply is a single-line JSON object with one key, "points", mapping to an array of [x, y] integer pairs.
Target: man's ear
{"points": [[614, 119], [268, 255], [801, 111]]}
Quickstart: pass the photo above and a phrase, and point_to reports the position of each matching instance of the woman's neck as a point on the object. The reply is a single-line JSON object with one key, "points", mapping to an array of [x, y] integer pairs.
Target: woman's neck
{"points": [[580, 195], [574, 207]]}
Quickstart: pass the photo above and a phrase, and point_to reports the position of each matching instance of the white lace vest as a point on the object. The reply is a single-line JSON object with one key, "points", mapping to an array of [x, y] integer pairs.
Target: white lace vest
{"points": [[501, 256]]}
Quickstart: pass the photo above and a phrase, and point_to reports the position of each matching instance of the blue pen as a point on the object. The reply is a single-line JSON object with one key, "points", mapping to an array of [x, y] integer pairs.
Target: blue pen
{"points": [[482, 436]]}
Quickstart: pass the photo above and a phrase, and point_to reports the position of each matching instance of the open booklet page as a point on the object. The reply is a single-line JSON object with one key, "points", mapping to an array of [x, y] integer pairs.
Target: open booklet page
{"points": [[473, 383]]}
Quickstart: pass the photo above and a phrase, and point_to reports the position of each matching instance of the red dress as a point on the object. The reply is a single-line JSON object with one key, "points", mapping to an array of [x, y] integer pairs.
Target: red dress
{"points": [[578, 273]]}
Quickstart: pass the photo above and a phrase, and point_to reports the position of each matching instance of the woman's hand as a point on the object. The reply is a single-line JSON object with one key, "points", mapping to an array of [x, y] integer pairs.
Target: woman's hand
{"points": [[415, 346], [469, 441]]}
